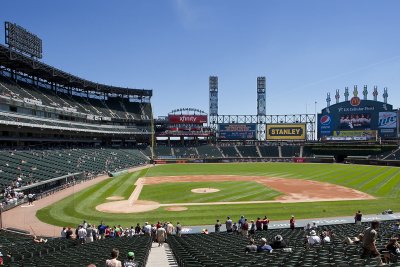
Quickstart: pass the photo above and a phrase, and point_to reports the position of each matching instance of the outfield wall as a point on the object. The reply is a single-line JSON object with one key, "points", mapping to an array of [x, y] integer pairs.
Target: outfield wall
{"points": [[394, 163]]}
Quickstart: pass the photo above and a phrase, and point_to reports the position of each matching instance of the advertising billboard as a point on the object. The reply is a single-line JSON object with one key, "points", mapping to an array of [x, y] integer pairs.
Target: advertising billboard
{"points": [[187, 119], [360, 115], [287, 131], [237, 131]]}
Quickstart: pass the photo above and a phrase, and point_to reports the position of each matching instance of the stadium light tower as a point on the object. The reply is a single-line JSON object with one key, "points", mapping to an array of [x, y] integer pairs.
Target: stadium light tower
{"points": [[261, 107], [213, 103]]}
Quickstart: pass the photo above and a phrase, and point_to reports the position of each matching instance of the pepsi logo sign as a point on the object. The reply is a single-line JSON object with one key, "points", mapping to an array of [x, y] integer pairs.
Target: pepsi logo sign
{"points": [[325, 120]]}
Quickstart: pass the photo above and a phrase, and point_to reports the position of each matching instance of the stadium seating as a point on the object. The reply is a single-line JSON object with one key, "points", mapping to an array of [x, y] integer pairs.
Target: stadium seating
{"points": [[395, 155], [185, 152], [289, 151], [229, 151], [40, 165], [269, 151], [248, 151], [227, 249], [112, 107], [163, 151], [209, 151], [64, 252]]}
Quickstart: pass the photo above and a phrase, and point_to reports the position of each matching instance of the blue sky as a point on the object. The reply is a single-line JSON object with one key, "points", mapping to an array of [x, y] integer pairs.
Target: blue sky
{"points": [[304, 48]]}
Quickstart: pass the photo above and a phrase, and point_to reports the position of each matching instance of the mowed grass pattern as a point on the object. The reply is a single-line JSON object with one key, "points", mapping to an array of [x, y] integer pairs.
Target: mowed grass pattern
{"points": [[229, 191], [381, 182]]}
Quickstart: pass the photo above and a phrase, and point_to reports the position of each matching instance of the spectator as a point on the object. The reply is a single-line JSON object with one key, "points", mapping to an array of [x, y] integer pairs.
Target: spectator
{"points": [[138, 229], [147, 229], [113, 262], [69, 233], [259, 224], [265, 223], [313, 239], [204, 231], [235, 228], [30, 198], [314, 226], [228, 225], [358, 218], [278, 242], [64, 232], [82, 234], [252, 230], [178, 229], [392, 249], [217, 226], [170, 228], [89, 234], [240, 223], [264, 246], [130, 262], [292, 222], [251, 247], [368, 241], [245, 228], [161, 236]]}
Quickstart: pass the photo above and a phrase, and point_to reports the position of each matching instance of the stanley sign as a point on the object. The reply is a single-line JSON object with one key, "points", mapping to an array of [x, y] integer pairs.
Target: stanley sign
{"points": [[293, 131]]}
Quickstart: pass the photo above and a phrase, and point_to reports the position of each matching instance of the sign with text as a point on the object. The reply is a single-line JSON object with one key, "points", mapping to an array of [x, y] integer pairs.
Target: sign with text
{"points": [[239, 131], [187, 119], [287, 131]]}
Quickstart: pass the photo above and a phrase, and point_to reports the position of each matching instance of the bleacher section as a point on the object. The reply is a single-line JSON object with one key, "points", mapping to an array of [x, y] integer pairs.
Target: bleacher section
{"points": [[395, 155], [117, 108], [209, 151], [224, 249], [163, 151], [64, 252], [289, 151], [248, 151], [40, 165], [229, 151], [185, 152], [269, 151]]}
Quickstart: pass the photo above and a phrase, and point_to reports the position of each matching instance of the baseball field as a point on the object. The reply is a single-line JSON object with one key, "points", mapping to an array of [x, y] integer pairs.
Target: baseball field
{"points": [[197, 194]]}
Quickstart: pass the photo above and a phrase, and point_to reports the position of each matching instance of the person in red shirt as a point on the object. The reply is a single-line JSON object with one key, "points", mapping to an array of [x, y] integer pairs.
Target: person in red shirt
{"points": [[259, 224], [292, 222], [265, 223]]}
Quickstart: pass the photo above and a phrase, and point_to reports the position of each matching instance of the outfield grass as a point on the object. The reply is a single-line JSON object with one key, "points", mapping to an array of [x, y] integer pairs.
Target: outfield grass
{"points": [[381, 182], [229, 191]]}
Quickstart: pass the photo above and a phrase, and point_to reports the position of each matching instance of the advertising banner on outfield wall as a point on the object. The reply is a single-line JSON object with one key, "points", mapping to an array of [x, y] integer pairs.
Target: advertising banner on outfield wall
{"points": [[238, 131], [188, 119], [287, 131]]}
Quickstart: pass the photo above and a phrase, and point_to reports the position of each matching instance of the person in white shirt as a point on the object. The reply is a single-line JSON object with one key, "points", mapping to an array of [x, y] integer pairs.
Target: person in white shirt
{"points": [[147, 229], [313, 239], [82, 234]]}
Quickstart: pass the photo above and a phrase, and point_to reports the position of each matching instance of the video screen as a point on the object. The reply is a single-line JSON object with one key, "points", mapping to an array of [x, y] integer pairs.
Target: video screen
{"points": [[355, 121]]}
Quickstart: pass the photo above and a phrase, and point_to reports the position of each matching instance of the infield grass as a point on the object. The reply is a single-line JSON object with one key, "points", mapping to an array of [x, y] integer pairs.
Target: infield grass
{"points": [[379, 181], [229, 191]]}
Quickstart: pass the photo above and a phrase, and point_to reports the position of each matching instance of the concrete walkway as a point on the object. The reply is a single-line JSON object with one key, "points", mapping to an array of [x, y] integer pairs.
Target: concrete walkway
{"points": [[161, 256]]}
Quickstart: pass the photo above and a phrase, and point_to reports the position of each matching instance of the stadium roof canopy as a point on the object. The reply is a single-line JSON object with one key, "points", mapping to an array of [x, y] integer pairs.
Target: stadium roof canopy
{"points": [[19, 62]]}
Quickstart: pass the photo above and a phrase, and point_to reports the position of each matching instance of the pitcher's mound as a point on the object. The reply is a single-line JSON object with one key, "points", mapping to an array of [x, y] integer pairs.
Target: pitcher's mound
{"points": [[115, 198], [176, 208], [204, 190]]}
